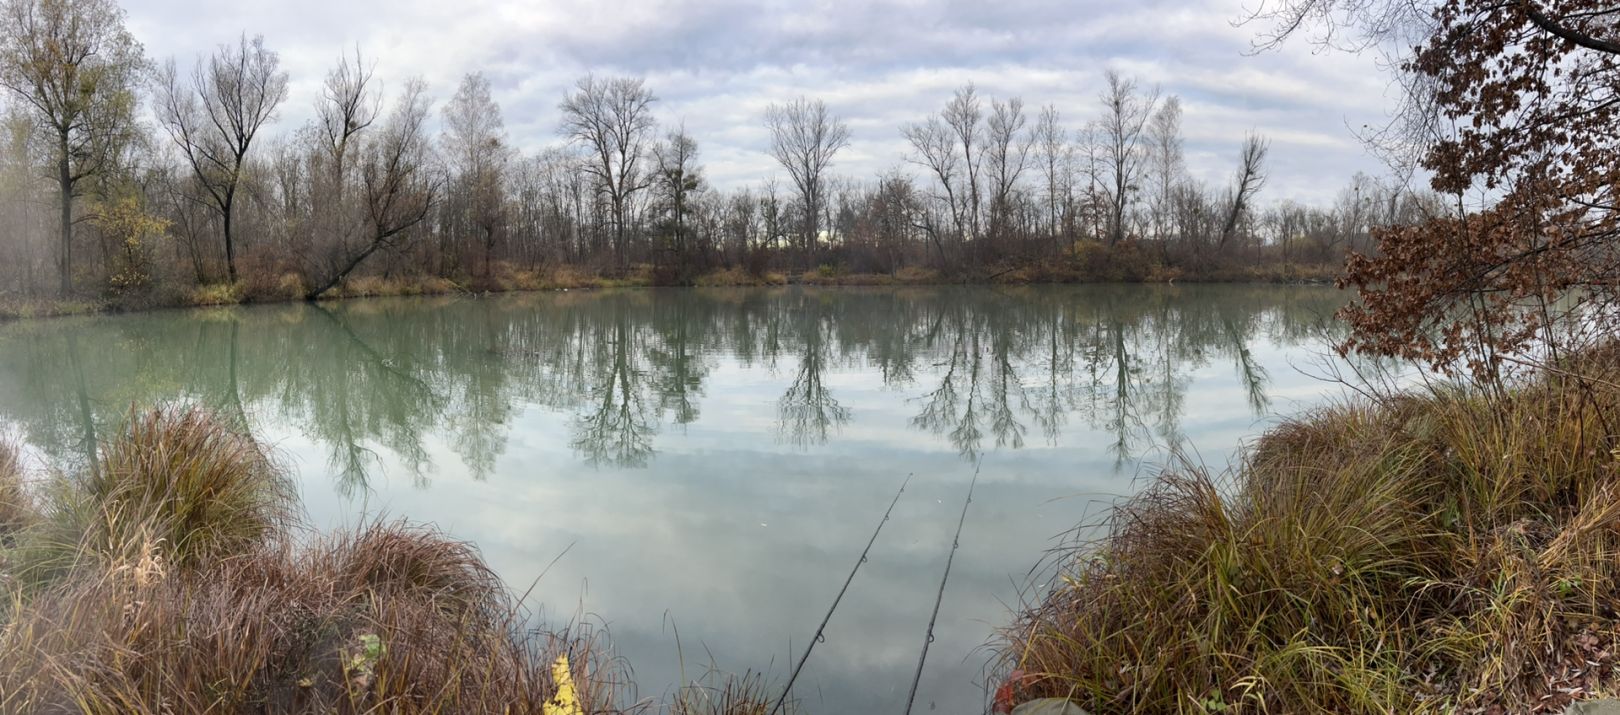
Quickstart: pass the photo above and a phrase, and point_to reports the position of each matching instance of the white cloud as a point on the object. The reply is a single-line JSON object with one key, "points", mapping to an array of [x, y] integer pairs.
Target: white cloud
{"points": [[717, 63]]}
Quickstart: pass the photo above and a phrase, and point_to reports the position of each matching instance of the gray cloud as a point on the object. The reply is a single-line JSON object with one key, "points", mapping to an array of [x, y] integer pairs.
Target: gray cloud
{"points": [[716, 64]]}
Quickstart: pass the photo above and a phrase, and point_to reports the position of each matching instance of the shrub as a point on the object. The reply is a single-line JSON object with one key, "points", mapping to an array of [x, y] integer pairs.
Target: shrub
{"points": [[917, 276], [726, 277], [215, 294]]}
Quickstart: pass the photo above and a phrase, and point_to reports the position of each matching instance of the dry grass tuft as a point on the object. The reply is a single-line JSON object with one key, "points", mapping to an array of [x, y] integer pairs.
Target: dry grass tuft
{"points": [[181, 480], [724, 694], [1431, 553], [397, 561], [185, 593]]}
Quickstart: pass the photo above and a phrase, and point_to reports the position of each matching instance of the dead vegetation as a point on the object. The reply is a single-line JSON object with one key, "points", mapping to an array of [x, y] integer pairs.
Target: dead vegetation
{"points": [[1443, 552]]}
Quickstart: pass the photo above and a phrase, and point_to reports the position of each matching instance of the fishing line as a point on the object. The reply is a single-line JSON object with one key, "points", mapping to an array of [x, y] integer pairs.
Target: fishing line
{"points": [[819, 637], [956, 541]]}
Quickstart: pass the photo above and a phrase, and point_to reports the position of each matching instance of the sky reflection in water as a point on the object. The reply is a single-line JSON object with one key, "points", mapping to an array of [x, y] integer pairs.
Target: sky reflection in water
{"points": [[718, 458]]}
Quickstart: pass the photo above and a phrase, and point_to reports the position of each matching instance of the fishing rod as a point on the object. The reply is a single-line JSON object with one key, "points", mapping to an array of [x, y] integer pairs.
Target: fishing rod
{"points": [[956, 541], [818, 637]]}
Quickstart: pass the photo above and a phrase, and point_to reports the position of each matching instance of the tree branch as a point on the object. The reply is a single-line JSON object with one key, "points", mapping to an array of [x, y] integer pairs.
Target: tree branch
{"points": [[1579, 38]]}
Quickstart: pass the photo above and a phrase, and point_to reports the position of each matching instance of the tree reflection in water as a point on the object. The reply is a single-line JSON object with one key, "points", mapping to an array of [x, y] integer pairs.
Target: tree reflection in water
{"points": [[980, 368]]}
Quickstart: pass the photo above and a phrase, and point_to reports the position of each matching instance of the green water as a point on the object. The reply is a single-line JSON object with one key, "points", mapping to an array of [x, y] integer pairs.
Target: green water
{"points": [[717, 459]]}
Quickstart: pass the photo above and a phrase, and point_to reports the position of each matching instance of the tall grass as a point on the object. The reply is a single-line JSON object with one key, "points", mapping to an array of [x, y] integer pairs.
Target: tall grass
{"points": [[1444, 552], [187, 591], [17, 509], [177, 484], [718, 693]]}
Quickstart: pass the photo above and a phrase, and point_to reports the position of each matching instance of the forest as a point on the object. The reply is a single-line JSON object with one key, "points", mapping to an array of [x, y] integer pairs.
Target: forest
{"points": [[130, 181]]}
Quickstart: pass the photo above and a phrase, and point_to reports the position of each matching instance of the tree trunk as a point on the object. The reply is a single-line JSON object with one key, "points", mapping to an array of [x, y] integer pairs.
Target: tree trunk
{"points": [[65, 184], [489, 248], [336, 277], [230, 248]]}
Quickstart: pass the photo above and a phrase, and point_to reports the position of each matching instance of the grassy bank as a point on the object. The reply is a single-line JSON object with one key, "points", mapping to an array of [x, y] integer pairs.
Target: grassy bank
{"points": [[173, 576], [1086, 267], [1444, 552]]}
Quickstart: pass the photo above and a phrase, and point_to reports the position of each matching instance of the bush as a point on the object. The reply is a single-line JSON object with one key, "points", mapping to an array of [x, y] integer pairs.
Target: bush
{"points": [[270, 287], [215, 294]]}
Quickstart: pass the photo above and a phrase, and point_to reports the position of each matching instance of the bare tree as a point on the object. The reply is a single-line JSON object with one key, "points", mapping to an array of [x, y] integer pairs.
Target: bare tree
{"points": [[962, 115], [934, 148], [1007, 149], [956, 145], [398, 183], [1125, 114], [804, 138], [770, 213], [1166, 162], [75, 66], [613, 119], [475, 139], [1055, 157], [347, 108], [214, 121], [1093, 202], [1251, 175]]}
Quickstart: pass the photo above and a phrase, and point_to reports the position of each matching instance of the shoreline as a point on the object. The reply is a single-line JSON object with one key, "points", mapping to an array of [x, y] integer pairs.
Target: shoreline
{"points": [[19, 308]]}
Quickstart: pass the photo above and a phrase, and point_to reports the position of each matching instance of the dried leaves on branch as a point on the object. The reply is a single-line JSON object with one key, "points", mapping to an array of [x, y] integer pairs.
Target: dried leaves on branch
{"points": [[1531, 94]]}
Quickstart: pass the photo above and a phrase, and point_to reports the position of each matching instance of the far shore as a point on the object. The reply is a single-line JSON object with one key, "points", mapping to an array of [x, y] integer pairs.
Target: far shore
{"points": [[289, 288]]}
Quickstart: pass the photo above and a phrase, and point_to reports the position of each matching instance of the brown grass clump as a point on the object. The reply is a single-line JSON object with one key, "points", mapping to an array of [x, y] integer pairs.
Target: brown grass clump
{"points": [[1430, 553], [724, 694], [187, 593], [396, 561], [177, 479]]}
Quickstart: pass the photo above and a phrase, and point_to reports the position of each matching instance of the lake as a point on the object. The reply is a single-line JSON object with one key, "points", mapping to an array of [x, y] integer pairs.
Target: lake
{"points": [[713, 461]]}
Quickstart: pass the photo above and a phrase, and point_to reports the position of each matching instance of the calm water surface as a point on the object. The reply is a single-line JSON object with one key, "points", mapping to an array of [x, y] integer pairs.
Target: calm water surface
{"points": [[717, 459]]}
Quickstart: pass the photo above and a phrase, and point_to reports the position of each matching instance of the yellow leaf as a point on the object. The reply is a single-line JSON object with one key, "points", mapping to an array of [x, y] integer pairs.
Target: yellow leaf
{"points": [[565, 702]]}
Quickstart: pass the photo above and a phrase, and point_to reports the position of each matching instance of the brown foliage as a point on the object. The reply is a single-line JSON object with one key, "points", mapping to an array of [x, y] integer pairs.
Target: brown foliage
{"points": [[1533, 91]]}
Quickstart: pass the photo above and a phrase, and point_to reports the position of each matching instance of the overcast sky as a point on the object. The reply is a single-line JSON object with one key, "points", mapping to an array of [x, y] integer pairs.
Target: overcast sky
{"points": [[716, 64]]}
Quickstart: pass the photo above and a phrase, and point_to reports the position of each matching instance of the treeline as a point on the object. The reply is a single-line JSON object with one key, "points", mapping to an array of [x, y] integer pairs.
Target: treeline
{"points": [[129, 179]]}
